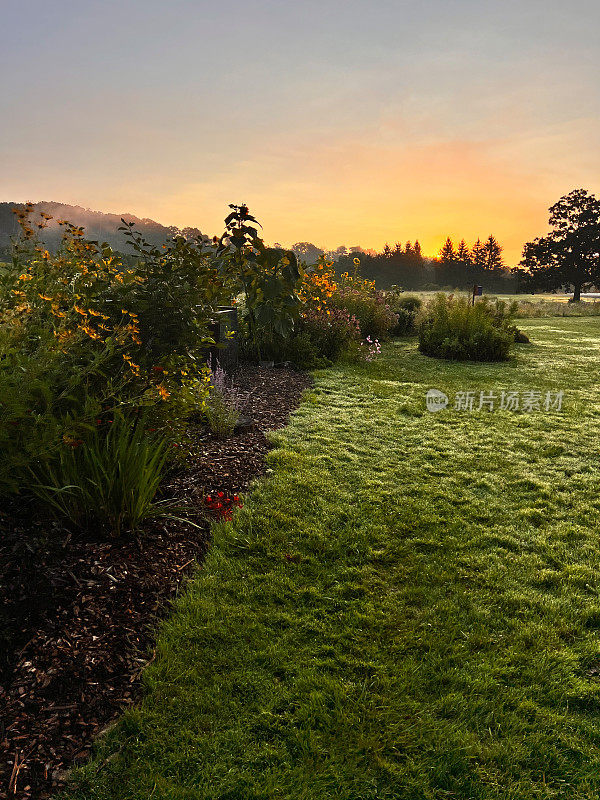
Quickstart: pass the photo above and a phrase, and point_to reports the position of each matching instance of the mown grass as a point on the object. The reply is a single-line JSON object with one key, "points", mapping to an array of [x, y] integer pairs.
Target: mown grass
{"points": [[408, 606]]}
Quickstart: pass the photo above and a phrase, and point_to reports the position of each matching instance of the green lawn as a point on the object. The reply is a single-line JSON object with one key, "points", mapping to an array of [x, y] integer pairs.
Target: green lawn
{"points": [[407, 607]]}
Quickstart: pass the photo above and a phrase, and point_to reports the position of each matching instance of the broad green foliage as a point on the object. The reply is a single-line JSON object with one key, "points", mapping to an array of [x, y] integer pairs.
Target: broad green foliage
{"points": [[268, 278], [406, 608], [450, 327], [179, 288]]}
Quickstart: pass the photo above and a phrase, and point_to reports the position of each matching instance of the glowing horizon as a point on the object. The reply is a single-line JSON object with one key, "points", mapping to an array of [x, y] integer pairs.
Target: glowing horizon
{"points": [[337, 122]]}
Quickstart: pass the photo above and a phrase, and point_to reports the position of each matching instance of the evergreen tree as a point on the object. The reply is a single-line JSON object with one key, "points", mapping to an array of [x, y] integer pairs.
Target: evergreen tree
{"points": [[478, 257], [446, 265], [493, 255], [448, 253], [463, 254]]}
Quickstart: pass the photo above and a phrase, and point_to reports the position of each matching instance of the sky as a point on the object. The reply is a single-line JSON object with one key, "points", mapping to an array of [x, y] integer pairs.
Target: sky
{"points": [[337, 121]]}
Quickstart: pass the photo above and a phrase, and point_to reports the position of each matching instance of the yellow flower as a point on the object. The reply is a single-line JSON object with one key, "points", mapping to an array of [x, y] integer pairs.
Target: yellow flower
{"points": [[62, 336], [90, 332], [45, 297], [25, 277], [163, 392], [80, 310]]}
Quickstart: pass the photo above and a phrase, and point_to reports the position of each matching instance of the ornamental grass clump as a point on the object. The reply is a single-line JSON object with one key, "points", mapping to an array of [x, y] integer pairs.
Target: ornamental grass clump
{"points": [[450, 327], [107, 479]]}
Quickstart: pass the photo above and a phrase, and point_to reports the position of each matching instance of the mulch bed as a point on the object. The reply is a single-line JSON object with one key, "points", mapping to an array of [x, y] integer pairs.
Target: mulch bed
{"points": [[78, 613]]}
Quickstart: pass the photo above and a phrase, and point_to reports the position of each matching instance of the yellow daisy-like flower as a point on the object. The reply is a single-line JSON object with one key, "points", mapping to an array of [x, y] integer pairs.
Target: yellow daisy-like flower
{"points": [[90, 332], [25, 277], [80, 310], [163, 392], [45, 297]]}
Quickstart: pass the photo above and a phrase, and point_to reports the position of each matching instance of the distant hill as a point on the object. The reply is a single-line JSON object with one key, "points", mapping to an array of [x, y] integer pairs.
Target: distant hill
{"points": [[100, 226]]}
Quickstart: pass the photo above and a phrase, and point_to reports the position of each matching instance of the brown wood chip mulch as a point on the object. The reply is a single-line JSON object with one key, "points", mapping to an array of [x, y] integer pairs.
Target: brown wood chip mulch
{"points": [[77, 613]]}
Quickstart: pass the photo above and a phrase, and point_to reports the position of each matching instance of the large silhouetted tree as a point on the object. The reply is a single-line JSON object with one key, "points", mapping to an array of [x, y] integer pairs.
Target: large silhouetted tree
{"points": [[570, 253], [307, 252]]}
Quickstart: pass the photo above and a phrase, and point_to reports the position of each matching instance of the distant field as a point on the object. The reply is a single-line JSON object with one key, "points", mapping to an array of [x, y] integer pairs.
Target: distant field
{"points": [[539, 305], [521, 298]]}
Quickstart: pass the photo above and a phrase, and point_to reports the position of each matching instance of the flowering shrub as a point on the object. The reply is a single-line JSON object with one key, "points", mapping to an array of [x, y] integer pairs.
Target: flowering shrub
{"points": [[81, 334], [221, 506], [406, 308], [361, 299], [324, 335], [318, 286]]}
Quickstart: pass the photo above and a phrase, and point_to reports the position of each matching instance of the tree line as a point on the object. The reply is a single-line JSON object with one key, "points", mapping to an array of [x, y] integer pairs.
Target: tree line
{"points": [[404, 265], [566, 259]]}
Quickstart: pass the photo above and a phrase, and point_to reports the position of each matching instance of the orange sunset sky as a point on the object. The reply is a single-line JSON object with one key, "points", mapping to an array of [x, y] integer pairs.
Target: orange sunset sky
{"points": [[337, 122]]}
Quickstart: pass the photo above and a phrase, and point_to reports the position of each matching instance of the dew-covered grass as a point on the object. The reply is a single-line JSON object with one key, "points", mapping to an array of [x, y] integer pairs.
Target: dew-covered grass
{"points": [[408, 606]]}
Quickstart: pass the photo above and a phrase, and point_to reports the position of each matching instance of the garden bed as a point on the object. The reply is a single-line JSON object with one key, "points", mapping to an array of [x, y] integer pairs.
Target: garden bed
{"points": [[77, 619]]}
